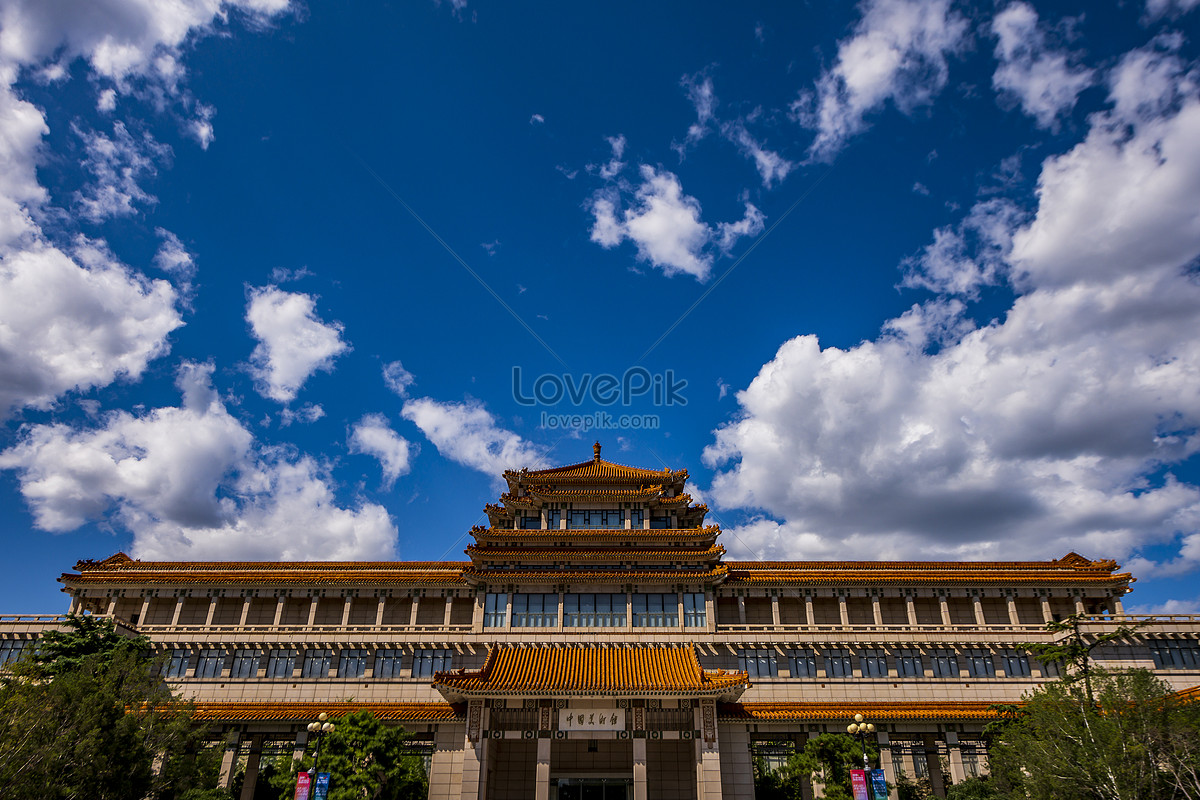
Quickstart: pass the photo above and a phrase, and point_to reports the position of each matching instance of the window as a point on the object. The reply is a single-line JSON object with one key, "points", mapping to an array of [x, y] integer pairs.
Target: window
{"points": [[317, 663], [245, 664], [758, 663], [427, 662], [655, 611], [803, 663], [495, 610], [176, 664], [281, 663], [352, 663], [554, 519], [210, 663], [694, 612], [534, 610], [1016, 664], [388, 663], [909, 664], [838, 664], [945, 664], [659, 523], [595, 518], [1175, 653], [1049, 669], [873, 663], [594, 611], [772, 756], [11, 650], [530, 523], [979, 664], [636, 517]]}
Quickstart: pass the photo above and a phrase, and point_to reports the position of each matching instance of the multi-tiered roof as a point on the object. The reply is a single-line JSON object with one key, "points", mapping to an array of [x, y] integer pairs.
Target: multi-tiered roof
{"points": [[531, 539]]}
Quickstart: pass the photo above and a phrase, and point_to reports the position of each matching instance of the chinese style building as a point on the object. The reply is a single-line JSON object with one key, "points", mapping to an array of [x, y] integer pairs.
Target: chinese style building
{"points": [[598, 644]]}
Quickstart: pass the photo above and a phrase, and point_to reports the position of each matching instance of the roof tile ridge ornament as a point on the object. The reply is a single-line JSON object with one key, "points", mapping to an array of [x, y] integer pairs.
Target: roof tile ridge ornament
{"points": [[596, 452]]}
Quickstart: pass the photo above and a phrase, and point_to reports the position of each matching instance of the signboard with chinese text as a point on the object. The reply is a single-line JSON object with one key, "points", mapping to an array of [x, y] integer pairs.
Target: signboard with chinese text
{"points": [[591, 719]]}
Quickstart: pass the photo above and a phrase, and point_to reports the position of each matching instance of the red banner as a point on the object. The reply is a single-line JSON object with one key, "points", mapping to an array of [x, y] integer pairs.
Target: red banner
{"points": [[301, 786], [858, 782]]}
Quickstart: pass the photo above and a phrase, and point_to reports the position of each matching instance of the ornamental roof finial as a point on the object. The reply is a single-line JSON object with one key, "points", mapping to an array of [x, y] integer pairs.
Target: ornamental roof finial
{"points": [[596, 450]]}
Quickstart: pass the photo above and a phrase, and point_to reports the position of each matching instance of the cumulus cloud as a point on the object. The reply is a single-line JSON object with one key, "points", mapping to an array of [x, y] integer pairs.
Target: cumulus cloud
{"points": [[397, 378], [1053, 428], [467, 433], [117, 163], [306, 414], [373, 436], [190, 482], [968, 255], [172, 257], [665, 225], [293, 342], [898, 52], [1043, 81]]}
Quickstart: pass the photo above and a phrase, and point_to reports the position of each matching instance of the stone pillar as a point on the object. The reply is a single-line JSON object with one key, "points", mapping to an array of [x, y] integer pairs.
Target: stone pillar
{"points": [[843, 611], [412, 612], [475, 753], [111, 611], [379, 606], [885, 764], [144, 611], [346, 601], [1047, 614], [808, 610], [449, 605], [477, 614], [944, 604], [301, 745], [937, 782], [708, 753], [741, 610], [775, 611], [1079, 609], [178, 610], [876, 611], [233, 742], [977, 602], [1013, 617], [541, 786], [1118, 606], [245, 612], [252, 761], [212, 609], [279, 601], [445, 768], [958, 773], [710, 612], [312, 610], [910, 608]]}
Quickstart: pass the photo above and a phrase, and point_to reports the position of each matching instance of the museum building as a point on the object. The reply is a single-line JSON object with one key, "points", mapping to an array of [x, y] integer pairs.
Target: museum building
{"points": [[597, 644]]}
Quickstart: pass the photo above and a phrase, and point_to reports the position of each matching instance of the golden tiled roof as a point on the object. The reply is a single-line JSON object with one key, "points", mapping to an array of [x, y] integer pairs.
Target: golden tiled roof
{"points": [[586, 670], [1189, 695], [625, 534], [596, 471], [592, 553], [261, 712], [917, 710], [581, 576], [120, 568]]}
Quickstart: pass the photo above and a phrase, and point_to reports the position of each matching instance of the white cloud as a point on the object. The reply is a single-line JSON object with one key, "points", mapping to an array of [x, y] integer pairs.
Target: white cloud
{"points": [[665, 225], [116, 165], [897, 52], [172, 257], [537, 119], [468, 434], [1044, 82], [397, 378], [292, 342], [771, 166], [373, 436], [699, 90], [190, 483], [1159, 8], [306, 414], [968, 255], [1167, 607], [1036, 434]]}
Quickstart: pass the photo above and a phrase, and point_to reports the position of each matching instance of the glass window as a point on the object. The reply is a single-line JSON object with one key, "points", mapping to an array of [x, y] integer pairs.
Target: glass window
{"points": [[281, 664], [636, 517], [317, 663], [979, 664], [655, 611], [838, 664], [873, 663], [802, 663], [909, 664], [1049, 669], [495, 610], [531, 523], [554, 519], [758, 663], [594, 611], [534, 610], [352, 663], [1175, 653], [245, 664], [210, 663], [659, 523], [388, 663], [11, 650], [176, 665], [945, 664], [694, 613], [426, 662], [594, 518], [612, 519], [1016, 664]]}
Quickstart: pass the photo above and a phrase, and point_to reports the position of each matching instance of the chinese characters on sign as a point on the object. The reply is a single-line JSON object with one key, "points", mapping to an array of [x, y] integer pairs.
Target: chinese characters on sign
{"points": [[591, 719]]}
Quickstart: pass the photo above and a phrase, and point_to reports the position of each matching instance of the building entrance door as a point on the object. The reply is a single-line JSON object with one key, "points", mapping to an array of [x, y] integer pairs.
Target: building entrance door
{"points": [[595, 789]]}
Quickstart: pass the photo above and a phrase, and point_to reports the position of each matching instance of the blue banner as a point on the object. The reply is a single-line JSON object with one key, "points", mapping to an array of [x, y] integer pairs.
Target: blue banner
{"points": [[879, 790], [321, 787]]}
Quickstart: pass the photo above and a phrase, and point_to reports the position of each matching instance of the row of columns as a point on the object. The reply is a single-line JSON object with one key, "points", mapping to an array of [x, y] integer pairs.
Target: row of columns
{"points": [[911, 610]]}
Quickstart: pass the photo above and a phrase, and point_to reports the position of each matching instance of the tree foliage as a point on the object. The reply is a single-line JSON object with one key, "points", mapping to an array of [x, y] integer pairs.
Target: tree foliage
{"points": [[366, 759], [87, 715], [826, 759], [1074, 652]]}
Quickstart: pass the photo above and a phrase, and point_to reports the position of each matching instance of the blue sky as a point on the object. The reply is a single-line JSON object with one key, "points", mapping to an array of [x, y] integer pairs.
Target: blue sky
{"points": [[923, 275]]}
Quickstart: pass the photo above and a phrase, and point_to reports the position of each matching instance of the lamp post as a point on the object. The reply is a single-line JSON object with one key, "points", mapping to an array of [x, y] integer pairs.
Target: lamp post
{"points": [[321, 727], [861, 729]]}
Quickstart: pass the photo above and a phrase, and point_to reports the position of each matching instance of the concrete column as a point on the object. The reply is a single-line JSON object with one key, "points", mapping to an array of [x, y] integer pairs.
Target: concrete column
{"points": [[885, 764], [252, 761], [1013, 617], [477, 614], [1079, 609], [937, 782], [741, 610], [279, 601], [301, 745], [312, 610], [111, 611], [212, 609], [944, 604], [1118, 606], [450, 604], [144, 611], [379, 606], [475, 755], [843, 611], [445, 768], [639, 769], [708, 753], [808, 610], [710, 612], [910, 608], [233, 743], [1047, 614], [176, 612], [958, 773], [876, 611], [412, 612], [775, 611], [977, 602], [245, 612], [541, 786], [346, 601]]}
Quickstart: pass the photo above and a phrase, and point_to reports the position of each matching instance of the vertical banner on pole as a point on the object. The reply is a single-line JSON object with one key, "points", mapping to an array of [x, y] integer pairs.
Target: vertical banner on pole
{"points": [[301, 786], [858, 782], [879, 788], [321, 787]]}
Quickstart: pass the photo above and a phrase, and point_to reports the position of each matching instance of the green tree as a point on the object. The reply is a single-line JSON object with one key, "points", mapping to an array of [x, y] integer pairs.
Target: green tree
{"points": [[827, 758], [366, 759], [1074, 652], [87, 715]]}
